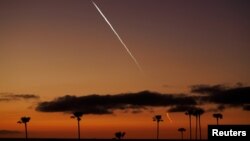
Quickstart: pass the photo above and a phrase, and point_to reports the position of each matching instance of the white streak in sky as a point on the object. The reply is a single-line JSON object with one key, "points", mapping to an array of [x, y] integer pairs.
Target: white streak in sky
{"points": [[169, 118], [131, 55]]}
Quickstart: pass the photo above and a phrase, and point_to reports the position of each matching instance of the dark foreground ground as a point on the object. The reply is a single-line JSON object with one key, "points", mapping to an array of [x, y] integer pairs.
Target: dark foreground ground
{"points": [[90, 139]]}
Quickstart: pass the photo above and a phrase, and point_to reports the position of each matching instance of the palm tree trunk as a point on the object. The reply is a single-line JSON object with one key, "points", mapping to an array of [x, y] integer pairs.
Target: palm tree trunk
{"points": [[157, 131], [200, 125], [181, 135], [190, 128], [78, 129], [196, 127], [26, 131]]}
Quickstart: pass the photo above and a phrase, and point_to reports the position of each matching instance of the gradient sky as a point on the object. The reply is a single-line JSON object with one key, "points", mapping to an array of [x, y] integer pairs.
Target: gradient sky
{"points": [[59, 47]]}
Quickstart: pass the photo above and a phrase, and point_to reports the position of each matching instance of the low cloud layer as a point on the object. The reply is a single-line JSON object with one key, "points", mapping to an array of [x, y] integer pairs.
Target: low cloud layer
{"points": [[207, 89], [12, 96], [8, 132], [224, 96], [181, 108], [106, 104], [221, 96]]}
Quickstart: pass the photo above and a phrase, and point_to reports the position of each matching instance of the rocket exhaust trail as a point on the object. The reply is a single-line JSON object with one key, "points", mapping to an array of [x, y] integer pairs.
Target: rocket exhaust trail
{"points": [[126, 48], [169, 118]]}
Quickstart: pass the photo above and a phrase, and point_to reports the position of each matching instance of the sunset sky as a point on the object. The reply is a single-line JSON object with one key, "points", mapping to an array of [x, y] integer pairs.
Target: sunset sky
{"points": [[49, 49]]}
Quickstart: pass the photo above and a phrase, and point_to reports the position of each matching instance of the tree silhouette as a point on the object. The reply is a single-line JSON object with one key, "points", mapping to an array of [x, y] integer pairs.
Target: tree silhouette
{"points": [[200, 112], [25, 120], [157, 118], [181, 130], [196, 123], [197, 113], [120, 135], [218, 116], [78, 116], [190, 113]]}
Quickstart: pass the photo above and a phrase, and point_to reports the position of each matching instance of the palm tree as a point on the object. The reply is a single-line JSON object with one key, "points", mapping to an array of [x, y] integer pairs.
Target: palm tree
{"points": [[25, 120], [218, 116], [157, 118], [197, 113], [119, 135], [190, 113], [200, 112], [181, 130], [78, 116]]}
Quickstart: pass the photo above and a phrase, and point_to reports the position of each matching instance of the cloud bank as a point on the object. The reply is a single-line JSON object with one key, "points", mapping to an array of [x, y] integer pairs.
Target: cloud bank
{"points": [[238, 96], [106, 104], [8, 132], [220, 95], [12, 96]]}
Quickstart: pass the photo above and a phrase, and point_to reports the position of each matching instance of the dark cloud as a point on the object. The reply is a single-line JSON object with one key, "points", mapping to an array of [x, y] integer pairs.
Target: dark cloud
{"points": [[181, 108], [220, 108], [4, 99], [137, 111], [223, 96], [25, 96], [106, 104], [232, 96], [7, 132], [11, 96], [207, 89], [246, 107]]}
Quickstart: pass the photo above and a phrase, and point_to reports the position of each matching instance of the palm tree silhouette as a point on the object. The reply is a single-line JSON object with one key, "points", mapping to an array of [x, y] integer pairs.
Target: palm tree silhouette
{"points": [[120, 135], [25, 120], [200, 112], [218, 116], [196, 122], [78, 116], [197, 113], [181, 130], [190, 113], [157, 118]]}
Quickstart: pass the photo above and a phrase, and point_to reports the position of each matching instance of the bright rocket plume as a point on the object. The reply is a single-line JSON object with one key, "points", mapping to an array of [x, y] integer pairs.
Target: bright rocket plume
{"points": [[126, 48], [169, 118]]}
